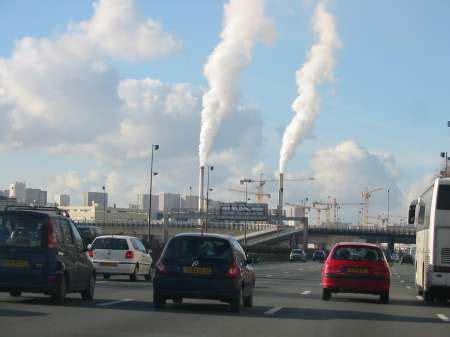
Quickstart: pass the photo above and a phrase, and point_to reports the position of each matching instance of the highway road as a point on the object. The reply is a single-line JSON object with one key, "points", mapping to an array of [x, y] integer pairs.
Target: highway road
{"points": [[287, 303]]}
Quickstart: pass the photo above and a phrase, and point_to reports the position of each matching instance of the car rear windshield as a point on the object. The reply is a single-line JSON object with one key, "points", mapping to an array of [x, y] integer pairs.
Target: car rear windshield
{"points": [[198, 247], [354, 253], [443, 200], [110, 243], [23, 230], [299, 251]]}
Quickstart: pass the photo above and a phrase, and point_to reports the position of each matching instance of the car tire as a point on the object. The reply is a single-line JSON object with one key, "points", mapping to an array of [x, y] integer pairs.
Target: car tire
{"points": [[384, 298], [236, 303], [326, 294], [59, 294], [178, 300], [133, 276], [159, 302], [248, 301], [427, 296], [106, 276], [88, 294], [15, 293]]}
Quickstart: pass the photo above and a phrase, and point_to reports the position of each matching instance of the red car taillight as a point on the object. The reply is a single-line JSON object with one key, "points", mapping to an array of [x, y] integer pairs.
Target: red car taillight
{"points": [[161, 268], [51, 237], [90, 253], [233, 271], [129, 254]]}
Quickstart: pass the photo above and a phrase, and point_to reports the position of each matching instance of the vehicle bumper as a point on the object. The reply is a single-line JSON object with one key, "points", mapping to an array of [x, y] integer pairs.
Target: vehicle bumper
{"points": [[172, 287], [48, 285], [438, 279], [349, 284], [122, 268]]}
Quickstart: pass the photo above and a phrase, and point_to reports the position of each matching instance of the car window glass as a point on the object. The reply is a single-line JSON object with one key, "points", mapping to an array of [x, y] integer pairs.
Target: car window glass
{"points": [[77, 237], [135, 244], [65, 231], [197, 247], [358, 254], [141, 246], [110, 243]]}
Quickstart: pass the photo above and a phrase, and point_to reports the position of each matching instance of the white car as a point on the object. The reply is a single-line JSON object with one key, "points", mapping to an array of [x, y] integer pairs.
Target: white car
{"points": [[120, 255]]}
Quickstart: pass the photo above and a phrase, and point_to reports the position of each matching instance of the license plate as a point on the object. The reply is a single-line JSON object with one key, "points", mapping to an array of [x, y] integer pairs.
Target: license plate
{"points": [[14, 264], [358, 270], [197, 270], [108, 264]]}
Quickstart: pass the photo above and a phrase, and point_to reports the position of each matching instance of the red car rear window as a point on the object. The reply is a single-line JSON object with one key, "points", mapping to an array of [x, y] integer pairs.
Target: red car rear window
{"points": [[357, 253]]}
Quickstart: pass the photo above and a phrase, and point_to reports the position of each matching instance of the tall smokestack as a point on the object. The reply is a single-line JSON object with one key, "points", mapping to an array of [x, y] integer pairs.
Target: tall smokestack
{"points": [[201, 189], [280, 197]]}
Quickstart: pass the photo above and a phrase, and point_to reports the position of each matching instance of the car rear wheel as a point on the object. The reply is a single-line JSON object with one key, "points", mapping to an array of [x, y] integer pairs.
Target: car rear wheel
{"points": [[59, 295], [427, 296], [236, 303], [15, 293], [384, 298], [248, 301], [159, 302], [326, 294], [133, 276], [88, 294]]}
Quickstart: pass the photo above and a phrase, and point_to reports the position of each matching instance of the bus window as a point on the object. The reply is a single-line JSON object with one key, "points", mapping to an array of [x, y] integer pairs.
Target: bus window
{"points": [[443, 200], [421, 219]]}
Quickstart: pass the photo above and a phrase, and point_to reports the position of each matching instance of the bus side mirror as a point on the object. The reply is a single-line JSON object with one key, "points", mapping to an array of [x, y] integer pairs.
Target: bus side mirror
{"points": [[412, 214]]}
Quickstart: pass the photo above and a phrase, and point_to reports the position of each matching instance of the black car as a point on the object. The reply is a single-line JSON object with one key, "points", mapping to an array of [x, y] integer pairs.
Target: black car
{"points": [[89, 233], [204, 266], [319, 255], [407, 258], [41, 251]]}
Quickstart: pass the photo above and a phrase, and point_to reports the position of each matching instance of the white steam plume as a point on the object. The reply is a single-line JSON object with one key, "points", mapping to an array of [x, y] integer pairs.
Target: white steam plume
{"points": [[317, 69], [244, 25]]}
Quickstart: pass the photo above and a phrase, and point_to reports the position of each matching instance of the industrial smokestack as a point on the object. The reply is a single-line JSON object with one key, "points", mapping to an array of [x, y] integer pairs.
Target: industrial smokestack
{"points": [[201, 189], [280, 197]]}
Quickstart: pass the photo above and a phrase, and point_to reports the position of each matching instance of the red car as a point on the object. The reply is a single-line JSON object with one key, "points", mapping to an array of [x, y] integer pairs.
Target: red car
{"points": [[356, 268]]}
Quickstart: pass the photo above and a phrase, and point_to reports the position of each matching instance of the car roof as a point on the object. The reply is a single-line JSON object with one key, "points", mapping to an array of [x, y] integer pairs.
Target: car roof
{"points": [[357, 244], [115, 237], [205, 235]]}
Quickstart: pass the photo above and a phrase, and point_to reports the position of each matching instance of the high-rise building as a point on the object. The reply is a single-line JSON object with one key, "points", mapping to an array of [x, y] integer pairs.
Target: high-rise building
{"points": [[62, 200], [143, 202], [96, 198], [35, 196], [190, 202], [4, 193], [17, 191], [169, 201]]}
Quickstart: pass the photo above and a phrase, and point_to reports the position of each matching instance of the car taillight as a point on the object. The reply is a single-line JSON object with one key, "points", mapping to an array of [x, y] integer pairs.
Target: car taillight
{"points": [[90, 253], [332, 268], [129, 254], [233, 271], [51, 237], [161, 268]]}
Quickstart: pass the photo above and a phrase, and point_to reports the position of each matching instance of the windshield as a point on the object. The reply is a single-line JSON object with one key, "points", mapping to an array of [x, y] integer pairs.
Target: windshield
{"points": [[110, 243], [357, 254], [22, 230], [443, 200], [198, 247]]}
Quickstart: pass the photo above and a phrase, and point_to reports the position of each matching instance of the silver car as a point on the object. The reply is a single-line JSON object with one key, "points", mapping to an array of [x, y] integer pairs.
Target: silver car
{"points": [[297, 255]]}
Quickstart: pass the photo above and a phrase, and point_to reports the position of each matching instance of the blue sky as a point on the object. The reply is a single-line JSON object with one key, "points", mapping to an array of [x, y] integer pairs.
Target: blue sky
{"points": [[391, 93]]}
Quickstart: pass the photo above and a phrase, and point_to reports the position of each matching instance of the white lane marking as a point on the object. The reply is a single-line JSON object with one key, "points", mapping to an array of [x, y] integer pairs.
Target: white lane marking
{"points": [[268, 275], [273, 310], [114, 302], [100, 282], [306, 292], [287, 272], [420, 298], [408, 287], [401, 281], [442, 317], [301, 269]]}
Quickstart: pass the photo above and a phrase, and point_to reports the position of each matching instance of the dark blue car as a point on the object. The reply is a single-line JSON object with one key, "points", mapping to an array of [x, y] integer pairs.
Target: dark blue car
{"points": [[42, 251]]}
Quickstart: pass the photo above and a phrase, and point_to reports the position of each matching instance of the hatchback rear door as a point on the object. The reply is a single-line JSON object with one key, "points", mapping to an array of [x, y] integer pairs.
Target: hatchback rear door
{"points": [[110, 250]]}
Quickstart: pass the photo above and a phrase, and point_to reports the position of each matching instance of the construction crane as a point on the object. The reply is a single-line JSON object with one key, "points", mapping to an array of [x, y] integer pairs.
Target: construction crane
{"points": [[260, 195], [261, 182], [366, 195], [309, 208]]}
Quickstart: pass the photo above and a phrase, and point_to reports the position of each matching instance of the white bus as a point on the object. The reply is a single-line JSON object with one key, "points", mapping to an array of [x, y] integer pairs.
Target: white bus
{"points": [[431, 215]]}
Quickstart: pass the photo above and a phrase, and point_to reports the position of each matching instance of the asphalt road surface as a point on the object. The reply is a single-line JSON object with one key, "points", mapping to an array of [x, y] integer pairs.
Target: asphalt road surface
{"points": [[287, 302]]}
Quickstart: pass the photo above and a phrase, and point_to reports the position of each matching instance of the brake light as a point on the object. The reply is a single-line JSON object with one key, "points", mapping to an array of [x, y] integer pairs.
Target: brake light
{"points": [[233, 271], [161, 268], [129, 254], [51, 237], [90, 253]]}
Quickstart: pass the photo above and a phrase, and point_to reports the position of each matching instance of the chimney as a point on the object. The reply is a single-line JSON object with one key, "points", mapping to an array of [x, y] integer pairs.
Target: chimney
{"points": [[280, 197], [201, 189]]}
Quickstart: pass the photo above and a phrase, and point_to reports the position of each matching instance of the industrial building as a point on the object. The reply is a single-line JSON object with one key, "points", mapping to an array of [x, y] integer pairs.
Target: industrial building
{"points": [[97, 214], [62, 200], [169, 201], [99, 199], [35, 196], [143, 202], [17, 191]]}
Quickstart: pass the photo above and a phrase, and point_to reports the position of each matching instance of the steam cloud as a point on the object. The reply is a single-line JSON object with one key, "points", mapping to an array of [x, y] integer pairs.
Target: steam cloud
{"points": [[244, 25], [317, 70]]}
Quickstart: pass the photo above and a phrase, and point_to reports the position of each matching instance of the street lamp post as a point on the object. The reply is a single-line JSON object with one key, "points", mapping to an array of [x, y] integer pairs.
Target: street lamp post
{"points": [[190, 199], [245, 181], [104, 204], [388, 204], [155, 147], [209, 168]]}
